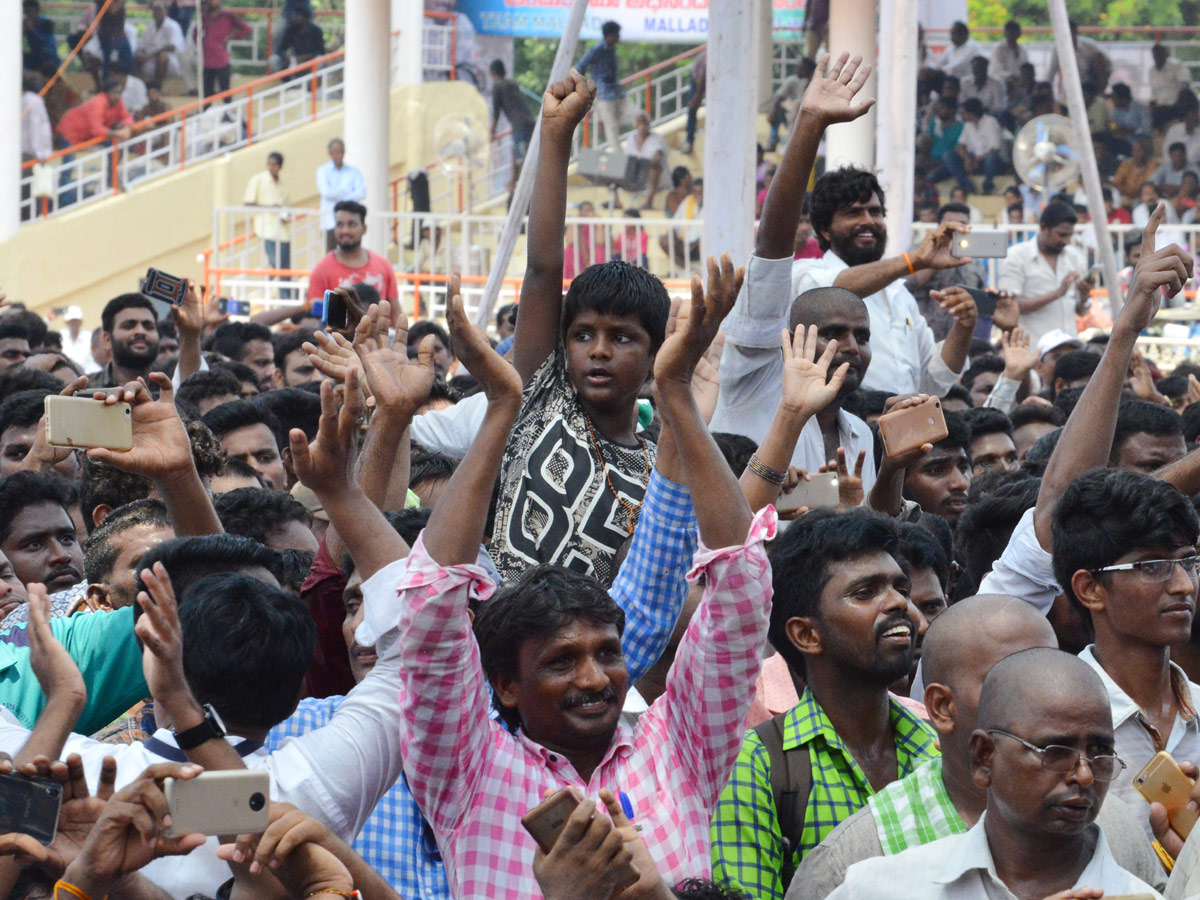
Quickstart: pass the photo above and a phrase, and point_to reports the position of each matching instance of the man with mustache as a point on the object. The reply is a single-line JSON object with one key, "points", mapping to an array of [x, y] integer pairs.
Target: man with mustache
{"points": [[37, 533], [1043, 750], [843, 621], [129, 332]]}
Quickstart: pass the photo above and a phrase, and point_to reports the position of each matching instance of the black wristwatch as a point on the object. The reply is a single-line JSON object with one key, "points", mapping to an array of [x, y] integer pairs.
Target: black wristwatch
{"points": [[211, 727]]}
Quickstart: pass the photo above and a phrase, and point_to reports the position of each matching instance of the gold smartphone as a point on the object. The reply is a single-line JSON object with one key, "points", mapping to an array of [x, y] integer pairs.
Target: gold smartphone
{"points": [[236, 801], [83, 422], [547, 820], [1162, 781], [903, 430]]}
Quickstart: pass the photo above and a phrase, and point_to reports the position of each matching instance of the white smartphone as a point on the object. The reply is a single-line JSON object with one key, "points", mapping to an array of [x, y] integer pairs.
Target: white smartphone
{"points": [[237, 801], [821, 490], [980, 244], [82, 422]]}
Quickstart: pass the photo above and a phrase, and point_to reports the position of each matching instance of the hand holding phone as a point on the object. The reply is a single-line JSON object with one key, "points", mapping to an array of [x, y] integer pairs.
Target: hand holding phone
{"points": [[229, 306], [84, 422], [905, 430], [30, 806], [161, 286], [233, 801], [546, 821], [1162, 781], [980, 244], [334, 312]]}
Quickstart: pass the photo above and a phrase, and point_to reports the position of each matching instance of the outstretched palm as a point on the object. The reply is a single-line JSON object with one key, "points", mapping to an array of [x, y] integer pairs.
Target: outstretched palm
{"points": [[831, 93], [807, 386], [395, 383]]}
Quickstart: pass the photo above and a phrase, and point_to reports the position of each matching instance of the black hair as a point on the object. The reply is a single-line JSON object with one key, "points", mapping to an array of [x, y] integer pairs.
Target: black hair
{"points": [[189, 559], [275, 155], [610, 27], [13, 330], [678, 174], [1107, 513], [801, 559], [297, 564], [952, 207], [973, 105], [230, 339], [23, 489], [959, 436], [987, 524], [958, 392], [1177, 145], [234, 466], [99, 551], [508, 309], [1038, 456], [620, 289], [367, 294], [208, 384], [703, 889], [979, 365], [1173, 387], [921, 550], [35, 326], [737, 450], [1143, 417], [1057, 213], [22, 409], [543, 600], [497, 68], [238, 370], [1066, 400], [863, 402], [429, 466], [246, 647], [296, 407], [1074, 365], [1191, 422], [121, 303], [242, 413], [985, 420], [256, 513], [840, 189], [351, 206], [1024, 413], [418, 330]]}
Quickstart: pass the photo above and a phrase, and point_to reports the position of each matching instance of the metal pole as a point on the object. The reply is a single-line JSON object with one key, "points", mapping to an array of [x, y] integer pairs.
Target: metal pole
{"points": [[895, 150], [524, 187], [1073, 91]]}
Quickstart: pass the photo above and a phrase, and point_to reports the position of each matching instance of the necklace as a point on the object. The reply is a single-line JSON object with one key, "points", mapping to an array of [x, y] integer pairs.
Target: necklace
{"points": [[629, 508]]}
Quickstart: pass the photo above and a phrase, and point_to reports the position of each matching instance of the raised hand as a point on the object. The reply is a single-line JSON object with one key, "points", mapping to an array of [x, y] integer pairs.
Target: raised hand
{"points": [[42, 457], [52, 665], [160, 441], [831, 95], [706, 380], [161, 635], [192, 314], [1019, 358], [397, 385], [589, 859], [1168, 269], [850, 486], [677, 358], [498, 378], [289, 828], [934, 251], [959, 303], [1142, 382], [807, 385], [326, 464], [1007, 313], [566, 102], [333, 355]]}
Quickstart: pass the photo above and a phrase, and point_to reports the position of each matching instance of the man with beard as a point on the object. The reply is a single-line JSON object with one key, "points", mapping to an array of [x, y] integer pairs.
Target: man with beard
{"points": [[129, 332], [1043, 750], [350, 262], [37, 533], [848, 219], [843, 620], [751, 365]]}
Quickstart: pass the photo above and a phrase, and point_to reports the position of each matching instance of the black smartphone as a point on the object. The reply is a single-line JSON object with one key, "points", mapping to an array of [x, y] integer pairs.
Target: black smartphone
{"points": [[985, 301], [233, 307], [335, 313], [164, 287], [29, 806]]}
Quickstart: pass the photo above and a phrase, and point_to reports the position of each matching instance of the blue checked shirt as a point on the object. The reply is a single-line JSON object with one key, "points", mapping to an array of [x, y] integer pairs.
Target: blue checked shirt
{"points": [[650, 587], [602, 60]]}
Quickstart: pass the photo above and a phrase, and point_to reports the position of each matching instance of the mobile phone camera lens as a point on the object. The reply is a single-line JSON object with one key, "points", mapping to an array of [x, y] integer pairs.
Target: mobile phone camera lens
{"points": [[257, 802]]}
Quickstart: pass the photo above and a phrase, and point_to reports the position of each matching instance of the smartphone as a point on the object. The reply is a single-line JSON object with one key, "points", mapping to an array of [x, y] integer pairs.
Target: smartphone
{"points": [[236, 801], [547, 820], [984, 244], [1162, 781], [821, 490], [985, 301], [164, 287], [233, 307], [83, 422], [334, 312], [29, 806], [907, 429]]}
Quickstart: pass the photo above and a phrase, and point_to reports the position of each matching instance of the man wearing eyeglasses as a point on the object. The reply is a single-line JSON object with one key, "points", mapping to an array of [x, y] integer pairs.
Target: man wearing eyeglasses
{"points": [[1125, 555], [1044, 752]]}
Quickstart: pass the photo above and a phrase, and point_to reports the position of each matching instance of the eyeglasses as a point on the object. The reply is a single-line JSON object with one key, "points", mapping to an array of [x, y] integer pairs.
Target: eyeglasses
{"points": [[1159, 569], [1057, 758]]}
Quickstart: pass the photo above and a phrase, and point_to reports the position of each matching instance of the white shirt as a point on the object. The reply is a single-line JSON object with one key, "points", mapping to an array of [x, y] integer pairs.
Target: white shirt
{"points": [[450, 431], [1134, 743], [1178, 132], [337, 774], [168, 36], [79, 350], [1167, 82], [1026, 273], [960, 867], [655, 146], [37, 140], [1024, 570], [752, 372], [336, 185], [993, 95], [134, 96], [957, 60], [904, 355], [982, 137], [1006, 63]]}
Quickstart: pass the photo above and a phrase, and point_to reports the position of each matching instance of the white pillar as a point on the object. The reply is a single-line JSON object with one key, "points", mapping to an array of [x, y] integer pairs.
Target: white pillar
{"points": [[729, 160], [368, 105], [408, 17], [852, 29], [10, 113], [895, 148], [766, 46]]}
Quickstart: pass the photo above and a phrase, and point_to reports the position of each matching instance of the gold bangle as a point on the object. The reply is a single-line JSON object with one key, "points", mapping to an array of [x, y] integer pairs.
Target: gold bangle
{"points": [[1168, 862], [78, 893]]}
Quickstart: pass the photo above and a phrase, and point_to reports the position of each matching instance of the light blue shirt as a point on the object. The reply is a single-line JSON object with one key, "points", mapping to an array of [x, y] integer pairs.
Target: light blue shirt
{"points": [[335, 185]]}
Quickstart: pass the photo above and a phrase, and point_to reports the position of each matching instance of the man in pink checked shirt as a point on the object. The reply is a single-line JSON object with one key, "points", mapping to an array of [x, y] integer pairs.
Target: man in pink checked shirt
{"points": [[550, 646]]}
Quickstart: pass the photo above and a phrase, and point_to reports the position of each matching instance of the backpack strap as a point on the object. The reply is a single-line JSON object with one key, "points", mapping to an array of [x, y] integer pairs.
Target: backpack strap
{"points": [[791, 783]]}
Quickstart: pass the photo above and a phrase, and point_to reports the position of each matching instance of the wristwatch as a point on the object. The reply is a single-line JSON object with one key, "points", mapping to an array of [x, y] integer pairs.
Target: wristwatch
{"points": [[211, 727]]}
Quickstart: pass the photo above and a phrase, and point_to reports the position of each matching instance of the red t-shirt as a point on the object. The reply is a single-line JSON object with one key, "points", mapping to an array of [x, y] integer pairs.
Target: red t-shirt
{"points": [[330, 274]]}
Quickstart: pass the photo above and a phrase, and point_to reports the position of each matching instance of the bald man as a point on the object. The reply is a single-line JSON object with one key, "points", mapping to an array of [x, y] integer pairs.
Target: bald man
{"points": [[942, 798], [1043, 752]]}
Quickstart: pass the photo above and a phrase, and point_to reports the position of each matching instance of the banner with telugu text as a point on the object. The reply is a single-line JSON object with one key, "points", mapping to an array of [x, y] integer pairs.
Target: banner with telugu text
{"points": [[667, 21]]}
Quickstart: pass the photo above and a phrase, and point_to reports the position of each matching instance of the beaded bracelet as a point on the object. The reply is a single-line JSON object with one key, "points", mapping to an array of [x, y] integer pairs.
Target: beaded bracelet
{"points": [[768, 475]]}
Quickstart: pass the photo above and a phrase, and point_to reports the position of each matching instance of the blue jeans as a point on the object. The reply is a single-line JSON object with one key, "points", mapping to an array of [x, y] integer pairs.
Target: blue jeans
{"points": [[115, 50], [952, 165]]}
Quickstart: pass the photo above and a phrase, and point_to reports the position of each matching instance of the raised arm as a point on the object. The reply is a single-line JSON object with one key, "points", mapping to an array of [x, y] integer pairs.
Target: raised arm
{"points": [[830, 98], [933, 253], [59, 679], [564, 105], [1086, 439], [191, 317]]}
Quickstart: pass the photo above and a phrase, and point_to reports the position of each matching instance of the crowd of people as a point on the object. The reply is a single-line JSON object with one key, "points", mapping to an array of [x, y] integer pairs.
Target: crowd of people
{"points": [[425, 577]]}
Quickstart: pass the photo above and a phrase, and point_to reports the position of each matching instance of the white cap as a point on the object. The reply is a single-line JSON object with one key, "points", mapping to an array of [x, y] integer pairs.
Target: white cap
{"points": [[1052, 340], [74, 314]]}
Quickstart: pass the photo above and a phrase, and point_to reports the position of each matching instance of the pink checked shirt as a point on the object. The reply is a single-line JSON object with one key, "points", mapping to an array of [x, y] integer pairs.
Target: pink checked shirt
{"points": [[474, 780]]}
